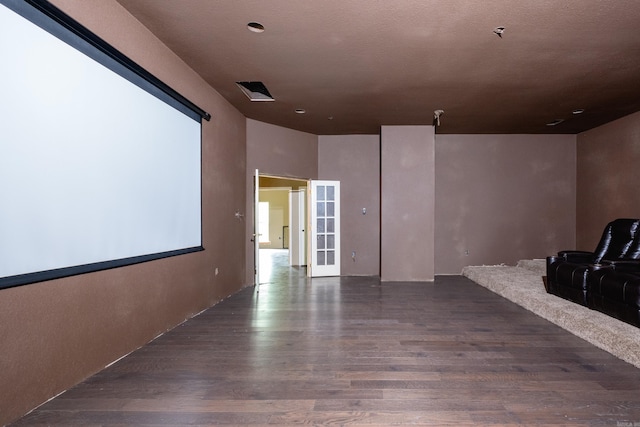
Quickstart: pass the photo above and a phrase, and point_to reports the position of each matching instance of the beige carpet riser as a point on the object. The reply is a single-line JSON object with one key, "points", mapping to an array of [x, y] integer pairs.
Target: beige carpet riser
{"points": [[523, 285]]}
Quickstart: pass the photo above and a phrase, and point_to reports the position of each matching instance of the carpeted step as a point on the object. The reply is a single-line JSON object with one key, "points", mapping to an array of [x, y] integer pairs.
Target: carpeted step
{"points": [[524, 286]]}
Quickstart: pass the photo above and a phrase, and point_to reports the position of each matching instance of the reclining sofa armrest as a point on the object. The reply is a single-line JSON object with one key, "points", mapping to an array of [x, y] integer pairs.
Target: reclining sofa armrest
{"points": [[624, 265], [577, 257], [552, 259]]}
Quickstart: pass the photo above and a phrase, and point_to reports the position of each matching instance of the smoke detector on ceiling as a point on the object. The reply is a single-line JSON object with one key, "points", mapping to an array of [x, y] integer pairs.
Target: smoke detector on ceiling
{"points": [[436, 116]]}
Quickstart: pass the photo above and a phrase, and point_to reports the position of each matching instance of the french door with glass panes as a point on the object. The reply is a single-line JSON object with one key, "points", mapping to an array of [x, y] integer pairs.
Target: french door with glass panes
{"points": [[325, 228]]}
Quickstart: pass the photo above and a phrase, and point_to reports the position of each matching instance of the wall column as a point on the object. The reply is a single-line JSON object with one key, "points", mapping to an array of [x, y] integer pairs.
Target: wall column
{"points": [[407, 203]]}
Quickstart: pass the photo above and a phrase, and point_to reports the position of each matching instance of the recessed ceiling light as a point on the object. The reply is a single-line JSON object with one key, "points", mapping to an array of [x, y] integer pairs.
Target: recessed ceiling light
{"points": [[578, 111], [300, 110], [256, 27], [555, 122]]}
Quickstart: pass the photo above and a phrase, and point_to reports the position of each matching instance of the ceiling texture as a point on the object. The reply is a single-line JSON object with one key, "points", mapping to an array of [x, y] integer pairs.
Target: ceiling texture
{"points": [[356, 65]]}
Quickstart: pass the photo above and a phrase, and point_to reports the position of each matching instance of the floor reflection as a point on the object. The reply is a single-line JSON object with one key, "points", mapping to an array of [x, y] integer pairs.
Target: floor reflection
{"points": [[275, 268]]}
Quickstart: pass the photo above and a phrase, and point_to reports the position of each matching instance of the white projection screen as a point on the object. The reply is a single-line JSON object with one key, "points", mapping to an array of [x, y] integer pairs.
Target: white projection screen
{"points": [[100, 163]]}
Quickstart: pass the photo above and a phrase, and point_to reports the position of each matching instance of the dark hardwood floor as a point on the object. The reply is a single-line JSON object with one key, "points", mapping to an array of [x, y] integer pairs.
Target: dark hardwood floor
{"points": [[354, 351]]}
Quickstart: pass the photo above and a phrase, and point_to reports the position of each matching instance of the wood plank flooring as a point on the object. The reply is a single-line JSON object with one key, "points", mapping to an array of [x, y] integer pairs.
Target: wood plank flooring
{"points": [[354, 351]]}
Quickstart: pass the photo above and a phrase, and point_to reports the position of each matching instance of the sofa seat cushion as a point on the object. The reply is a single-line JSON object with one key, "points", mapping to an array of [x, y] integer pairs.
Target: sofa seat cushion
{"points": [[616, 294], [570, 281]]}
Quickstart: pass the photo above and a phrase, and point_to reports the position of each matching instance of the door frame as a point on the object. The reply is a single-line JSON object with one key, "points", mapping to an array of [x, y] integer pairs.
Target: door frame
{"points": [[256, 228], [256, 200], [298, 224]]}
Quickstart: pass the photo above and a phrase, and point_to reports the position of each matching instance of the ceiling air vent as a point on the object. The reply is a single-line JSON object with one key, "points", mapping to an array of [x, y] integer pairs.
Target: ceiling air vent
{"points": [[255, 91]]}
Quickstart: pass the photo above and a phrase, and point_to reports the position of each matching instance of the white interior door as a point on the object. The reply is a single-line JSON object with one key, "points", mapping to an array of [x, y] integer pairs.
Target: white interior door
{"points": [[297, 224], [256, 229], [325, 228]]}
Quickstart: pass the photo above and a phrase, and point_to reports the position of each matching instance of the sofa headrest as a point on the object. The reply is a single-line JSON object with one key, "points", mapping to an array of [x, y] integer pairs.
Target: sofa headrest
{"points": [[617, 239]]}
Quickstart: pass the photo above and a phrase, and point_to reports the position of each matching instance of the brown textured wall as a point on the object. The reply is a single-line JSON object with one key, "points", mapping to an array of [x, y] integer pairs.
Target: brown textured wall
{"points": [[354, 160], [503, 198], [56, 333], [608, 177], [407, 203], [276, 151]]}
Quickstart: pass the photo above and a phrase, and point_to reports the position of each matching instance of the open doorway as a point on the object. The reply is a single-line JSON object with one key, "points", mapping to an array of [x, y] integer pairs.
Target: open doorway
{"points": [[281, 227]]}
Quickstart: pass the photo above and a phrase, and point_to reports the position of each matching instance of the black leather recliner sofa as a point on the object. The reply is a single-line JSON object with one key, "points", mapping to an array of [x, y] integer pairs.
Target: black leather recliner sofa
{"points": [[607, 279]]}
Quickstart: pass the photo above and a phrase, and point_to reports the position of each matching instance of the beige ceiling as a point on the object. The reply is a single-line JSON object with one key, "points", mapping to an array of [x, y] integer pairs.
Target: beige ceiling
{"points": [[355, 65]]}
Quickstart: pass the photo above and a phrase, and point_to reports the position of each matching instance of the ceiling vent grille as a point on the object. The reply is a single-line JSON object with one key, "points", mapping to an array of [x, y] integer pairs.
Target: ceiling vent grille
{"points": [[255, 91]]}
